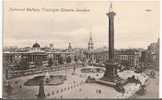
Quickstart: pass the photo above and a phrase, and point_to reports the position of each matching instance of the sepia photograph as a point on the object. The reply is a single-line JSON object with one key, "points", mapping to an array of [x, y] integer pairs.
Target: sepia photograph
{"points": [[58, 49]]}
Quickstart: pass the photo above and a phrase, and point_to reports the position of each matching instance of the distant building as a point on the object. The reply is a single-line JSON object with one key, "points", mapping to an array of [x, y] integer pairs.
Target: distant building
{"points": [[130, 57], [101, 55], [37, 56], [144, 56], [151, 55], [51, 46], [80, 54]]}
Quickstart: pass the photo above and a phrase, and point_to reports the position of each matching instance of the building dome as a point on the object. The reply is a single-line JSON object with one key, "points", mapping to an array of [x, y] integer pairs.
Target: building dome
{"points": [[36, 45]]}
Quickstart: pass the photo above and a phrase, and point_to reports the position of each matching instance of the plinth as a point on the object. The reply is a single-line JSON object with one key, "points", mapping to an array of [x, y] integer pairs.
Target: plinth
{"points": [[111, 72], [41, 94], [111, 78]]}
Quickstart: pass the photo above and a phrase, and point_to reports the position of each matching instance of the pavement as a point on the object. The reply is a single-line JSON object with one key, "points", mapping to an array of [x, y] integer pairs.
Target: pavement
{"points": [[73, 87], [152, 88]]}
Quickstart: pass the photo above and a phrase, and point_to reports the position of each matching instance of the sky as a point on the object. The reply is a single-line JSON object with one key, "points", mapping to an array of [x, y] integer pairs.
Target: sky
{"points": [[134, 26]]}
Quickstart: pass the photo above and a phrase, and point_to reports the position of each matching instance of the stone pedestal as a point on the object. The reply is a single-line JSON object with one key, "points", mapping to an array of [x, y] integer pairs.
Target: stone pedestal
{"points": [[111, 71], [41, 94]]}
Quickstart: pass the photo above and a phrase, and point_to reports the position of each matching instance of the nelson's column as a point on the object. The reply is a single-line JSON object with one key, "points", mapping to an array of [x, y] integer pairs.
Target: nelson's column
{"points": [[111, 68]]}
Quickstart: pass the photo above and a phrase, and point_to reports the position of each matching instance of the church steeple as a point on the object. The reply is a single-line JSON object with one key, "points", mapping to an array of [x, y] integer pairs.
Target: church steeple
{"points": [[90, 43], [69, 47], [90, 38]]}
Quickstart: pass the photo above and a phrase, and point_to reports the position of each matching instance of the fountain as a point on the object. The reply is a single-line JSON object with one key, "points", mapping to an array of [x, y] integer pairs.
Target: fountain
{"points": [[47, 77], [47, 80]]}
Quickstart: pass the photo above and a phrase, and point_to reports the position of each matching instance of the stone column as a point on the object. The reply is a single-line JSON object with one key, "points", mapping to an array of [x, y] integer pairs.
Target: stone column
{"points": [[111, 34]]}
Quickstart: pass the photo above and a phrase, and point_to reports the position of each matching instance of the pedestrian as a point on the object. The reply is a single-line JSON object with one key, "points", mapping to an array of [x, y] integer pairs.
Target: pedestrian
{"points": [[61, 97], [80, 89], [53, 93], [123, 94], [57, 91], [20, 86], [48, 94], [96, 90], [99, 91]]}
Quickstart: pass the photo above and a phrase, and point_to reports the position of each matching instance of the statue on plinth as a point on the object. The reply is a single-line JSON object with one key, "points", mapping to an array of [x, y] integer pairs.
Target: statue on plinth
{"points": [[111, 71], [41, 94]]}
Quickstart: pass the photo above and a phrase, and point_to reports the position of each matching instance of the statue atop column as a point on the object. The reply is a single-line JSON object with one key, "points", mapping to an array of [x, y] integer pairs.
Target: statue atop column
{"points": [[111, 67]]}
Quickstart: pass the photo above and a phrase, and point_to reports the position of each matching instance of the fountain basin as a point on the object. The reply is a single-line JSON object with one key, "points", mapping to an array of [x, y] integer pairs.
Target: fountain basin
{"points": [[52, 80]]}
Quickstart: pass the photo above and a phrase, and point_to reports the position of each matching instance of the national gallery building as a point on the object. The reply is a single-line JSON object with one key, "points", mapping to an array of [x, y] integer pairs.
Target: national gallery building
{"points": [[38, 57]]}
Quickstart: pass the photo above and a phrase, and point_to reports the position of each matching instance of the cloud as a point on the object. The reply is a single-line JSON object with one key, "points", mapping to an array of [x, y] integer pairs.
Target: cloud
{"points": [[133, 26]]}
